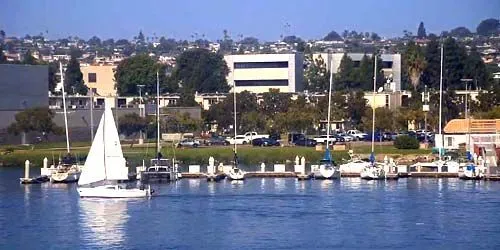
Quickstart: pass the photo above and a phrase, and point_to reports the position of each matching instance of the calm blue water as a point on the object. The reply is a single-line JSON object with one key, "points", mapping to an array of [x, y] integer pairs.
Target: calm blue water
{"points": [[259, 213]]}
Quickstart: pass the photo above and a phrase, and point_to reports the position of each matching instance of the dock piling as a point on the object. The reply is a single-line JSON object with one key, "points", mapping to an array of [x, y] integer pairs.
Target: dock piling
{"points": [[26, 169], [45, 162]]}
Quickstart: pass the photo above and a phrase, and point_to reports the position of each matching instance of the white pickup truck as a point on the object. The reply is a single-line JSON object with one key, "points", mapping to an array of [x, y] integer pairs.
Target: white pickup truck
{"points": [[358, 135], [249, 136], [322, 139]]}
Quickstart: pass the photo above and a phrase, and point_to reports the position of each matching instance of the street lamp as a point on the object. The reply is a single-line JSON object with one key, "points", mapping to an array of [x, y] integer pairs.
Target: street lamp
{"points": [[425, 108], [466, 115], [141, 113]]}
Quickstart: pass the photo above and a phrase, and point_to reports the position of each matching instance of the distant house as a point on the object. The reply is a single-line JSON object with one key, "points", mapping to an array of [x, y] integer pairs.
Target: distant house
{"points": [[482, 132]]}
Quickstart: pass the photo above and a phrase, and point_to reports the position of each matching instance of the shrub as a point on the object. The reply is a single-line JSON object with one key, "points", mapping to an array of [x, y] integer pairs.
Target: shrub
{"points": [[406, 142]]}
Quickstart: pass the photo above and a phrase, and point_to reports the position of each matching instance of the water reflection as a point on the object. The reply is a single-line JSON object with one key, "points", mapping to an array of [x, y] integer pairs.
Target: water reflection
{"points": [[263, 184], [351, 183], [300, 186], [103, 221], [193, 184], [279, 184], [326, 184]]}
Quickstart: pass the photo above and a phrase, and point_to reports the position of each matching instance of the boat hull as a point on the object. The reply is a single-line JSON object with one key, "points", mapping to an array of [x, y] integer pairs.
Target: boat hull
{"points": [[65, 177], [372, 173], [215, 177], [113, 192], [326, 174], [156, 176], [37, 180], [239, 176]]}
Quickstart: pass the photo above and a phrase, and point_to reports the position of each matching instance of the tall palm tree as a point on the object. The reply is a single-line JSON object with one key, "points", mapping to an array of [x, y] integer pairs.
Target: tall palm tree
{"points": [[415, 63]]}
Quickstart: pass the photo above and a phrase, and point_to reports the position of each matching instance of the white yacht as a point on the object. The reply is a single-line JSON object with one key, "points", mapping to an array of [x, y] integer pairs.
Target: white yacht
{"points": [[105, 165], [373, 172]]}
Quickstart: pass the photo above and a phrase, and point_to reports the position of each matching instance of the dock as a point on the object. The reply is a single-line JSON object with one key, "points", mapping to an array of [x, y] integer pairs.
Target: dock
{"points": [[492, 178], [391, 176], [433, 175]]}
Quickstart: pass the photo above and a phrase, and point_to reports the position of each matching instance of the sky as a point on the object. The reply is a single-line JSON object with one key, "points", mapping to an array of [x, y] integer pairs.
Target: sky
{"points": [[266, 20]]}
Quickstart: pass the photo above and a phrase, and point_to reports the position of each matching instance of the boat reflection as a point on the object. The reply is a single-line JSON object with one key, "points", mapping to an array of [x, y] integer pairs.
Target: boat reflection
{"points": [[103, 222], [279, 184]]}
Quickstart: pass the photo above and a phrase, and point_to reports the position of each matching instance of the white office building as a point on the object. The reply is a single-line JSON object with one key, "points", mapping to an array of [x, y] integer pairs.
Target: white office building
{"points": [[258, 73]]}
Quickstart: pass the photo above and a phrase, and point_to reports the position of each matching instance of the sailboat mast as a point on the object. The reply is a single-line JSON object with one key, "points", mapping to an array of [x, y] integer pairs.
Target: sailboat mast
{"points": [[373, 102], [441, 101], [234, 100], [157, 112], [329, 105], [64, 106]]}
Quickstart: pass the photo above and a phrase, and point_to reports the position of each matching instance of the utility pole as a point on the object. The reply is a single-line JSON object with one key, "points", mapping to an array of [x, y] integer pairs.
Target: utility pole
{"points": [[141, 111]]}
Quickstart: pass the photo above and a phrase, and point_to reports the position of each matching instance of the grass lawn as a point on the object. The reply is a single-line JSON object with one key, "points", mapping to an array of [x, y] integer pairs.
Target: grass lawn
{"points": [[16, 155]]}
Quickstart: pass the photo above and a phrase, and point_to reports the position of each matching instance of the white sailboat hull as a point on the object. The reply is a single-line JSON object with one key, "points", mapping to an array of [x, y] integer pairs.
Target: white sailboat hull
{"points": [[326, 173], [236, 176], [66, 176], [113, 191], [372, 173]]}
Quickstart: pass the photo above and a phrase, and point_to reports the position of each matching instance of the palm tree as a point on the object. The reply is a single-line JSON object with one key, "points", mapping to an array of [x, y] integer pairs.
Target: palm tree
{"points": [[415, 63]]}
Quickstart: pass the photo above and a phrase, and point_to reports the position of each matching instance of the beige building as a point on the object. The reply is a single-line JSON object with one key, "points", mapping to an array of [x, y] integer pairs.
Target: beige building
{"points": [[258, 73], [100, 78]]}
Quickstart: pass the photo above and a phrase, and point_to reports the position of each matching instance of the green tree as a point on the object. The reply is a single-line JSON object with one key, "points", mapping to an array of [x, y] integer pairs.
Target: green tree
{"points": [[384, 119], [37, 119], [454, 64], [252, 121], [317, 75], [365, 73], [430, 75], [53, 79], [421, 31], [274, 102], [223, 112], [332, 36], [460, 32], [226, 44], [476, 69], [141, 70], [131, 123], [346, 75], [73, 78], [29, 59], [201, 70], [488, 27], [94, 41], [415, 63], [356, 108]]}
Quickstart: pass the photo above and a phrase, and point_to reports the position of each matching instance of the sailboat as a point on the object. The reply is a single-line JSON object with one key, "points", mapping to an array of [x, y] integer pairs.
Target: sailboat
{"points": [[441, 163], [235, 173], [105, 164], [160, 169], [67, 170], [470, 171], [327, 168], [373, 171]]}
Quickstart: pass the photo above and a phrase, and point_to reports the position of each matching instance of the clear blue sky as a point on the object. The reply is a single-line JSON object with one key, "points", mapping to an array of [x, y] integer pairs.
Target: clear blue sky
{"points": [[264, 19]]}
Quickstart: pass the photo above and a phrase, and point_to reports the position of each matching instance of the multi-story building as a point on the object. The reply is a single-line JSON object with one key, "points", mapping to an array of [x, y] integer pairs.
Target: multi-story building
{"points": [[260, 72], [100, 78], [391, 65]]}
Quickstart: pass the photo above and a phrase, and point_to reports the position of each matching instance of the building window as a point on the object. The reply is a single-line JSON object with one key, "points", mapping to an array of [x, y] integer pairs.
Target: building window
{"points": [[260, 65], [253, 83], [387, 65], [92, 77]]}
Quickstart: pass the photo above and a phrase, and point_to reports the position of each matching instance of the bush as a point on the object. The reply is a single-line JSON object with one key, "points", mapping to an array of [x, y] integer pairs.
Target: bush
{"points": [[406, 142]]}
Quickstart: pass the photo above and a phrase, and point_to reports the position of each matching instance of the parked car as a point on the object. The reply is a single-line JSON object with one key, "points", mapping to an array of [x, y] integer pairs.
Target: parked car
{"points": [[338, 138], [358, 135], [294, 137], [240, 139], [216, 140], [306, 142], [347, 138], [263, 142], [188, 142]]}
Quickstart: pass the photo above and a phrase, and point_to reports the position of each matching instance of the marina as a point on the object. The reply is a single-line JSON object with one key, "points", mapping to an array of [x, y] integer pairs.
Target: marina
{"points": [[254, 212]]}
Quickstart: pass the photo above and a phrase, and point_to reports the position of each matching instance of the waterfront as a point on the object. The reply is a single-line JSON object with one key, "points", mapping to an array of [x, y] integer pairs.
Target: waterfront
{"points": [[257, 213]]}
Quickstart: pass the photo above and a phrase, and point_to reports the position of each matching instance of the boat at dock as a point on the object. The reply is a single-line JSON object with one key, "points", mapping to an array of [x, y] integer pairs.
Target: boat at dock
{"points": [[373, 172], [67, 170], [235, 173], [35, 180], [105, 165], [160, 169], [326, 168]]}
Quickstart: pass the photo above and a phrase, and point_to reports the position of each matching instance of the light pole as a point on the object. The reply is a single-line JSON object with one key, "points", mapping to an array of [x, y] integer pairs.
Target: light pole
{"points": [[425, 108], [141, 113], [466, 115]]}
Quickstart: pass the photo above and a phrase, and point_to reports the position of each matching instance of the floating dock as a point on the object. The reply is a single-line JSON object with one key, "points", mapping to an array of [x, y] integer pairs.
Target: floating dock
{"points": [[433, 175]]}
